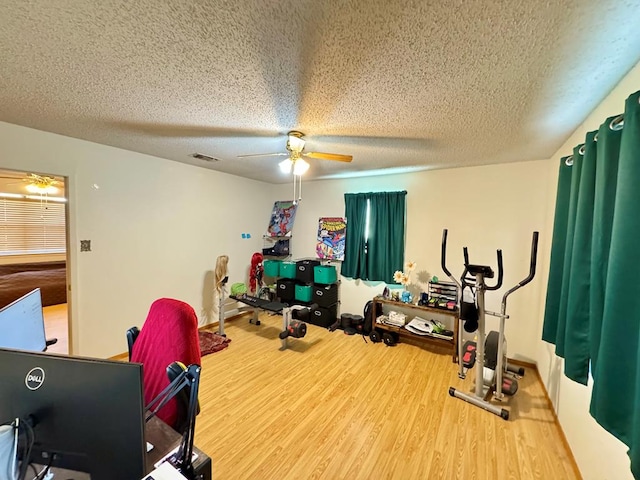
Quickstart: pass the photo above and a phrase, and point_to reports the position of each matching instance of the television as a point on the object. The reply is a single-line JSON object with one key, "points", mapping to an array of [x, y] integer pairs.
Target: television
{"points": [[22, 323], [87, 414]]}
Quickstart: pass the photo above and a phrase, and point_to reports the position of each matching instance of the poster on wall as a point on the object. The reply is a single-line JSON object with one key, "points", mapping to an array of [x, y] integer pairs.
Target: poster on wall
{"points": [[282, 217], [331, 238]]}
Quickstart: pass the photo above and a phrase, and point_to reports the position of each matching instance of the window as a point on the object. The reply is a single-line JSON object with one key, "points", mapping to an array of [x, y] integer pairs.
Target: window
{"points": [[375, 235], [31, 226]]}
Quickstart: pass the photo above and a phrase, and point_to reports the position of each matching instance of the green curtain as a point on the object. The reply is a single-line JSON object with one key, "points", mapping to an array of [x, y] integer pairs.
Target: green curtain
{"points": [[565, 273], [386, 235], [615, 399], [592, 312], [354, 264], [558, 242], [605, 195], [576, 365], [377, 257]]}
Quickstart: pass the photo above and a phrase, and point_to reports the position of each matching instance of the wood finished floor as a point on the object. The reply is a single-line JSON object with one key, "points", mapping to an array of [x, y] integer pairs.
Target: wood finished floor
{"points": [[55, 326], [335, 407]]}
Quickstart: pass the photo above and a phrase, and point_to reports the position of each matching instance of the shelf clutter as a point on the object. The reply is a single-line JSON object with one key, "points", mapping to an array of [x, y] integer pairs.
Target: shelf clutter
{"points": [[443, 295], [419, 324]]}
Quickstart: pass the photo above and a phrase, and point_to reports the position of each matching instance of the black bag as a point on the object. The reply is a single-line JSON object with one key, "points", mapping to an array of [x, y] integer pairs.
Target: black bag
{"points": [[369, 317]]}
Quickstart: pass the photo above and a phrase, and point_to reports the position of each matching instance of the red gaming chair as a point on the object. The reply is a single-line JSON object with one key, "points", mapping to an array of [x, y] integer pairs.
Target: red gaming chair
{"points": [[169, 334]]}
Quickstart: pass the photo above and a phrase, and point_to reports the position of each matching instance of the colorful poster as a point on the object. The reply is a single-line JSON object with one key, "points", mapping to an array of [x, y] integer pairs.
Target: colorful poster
{"points": [[331, 238], [282, 217]]}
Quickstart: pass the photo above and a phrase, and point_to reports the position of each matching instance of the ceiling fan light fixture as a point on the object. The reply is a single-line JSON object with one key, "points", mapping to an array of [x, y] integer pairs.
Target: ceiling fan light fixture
{"points": [[286, 165], [296, 143], [41, 189], [300, 167]]}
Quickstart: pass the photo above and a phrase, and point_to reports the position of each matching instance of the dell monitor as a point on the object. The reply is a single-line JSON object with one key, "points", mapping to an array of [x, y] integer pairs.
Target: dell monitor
{"points": [[87, 414], [22, 323]]}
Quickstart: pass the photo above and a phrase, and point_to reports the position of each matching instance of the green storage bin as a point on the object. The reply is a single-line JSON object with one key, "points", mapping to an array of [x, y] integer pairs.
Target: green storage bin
{"points": [[288, 269], [303, 293], [272, 268], [325, 274]]}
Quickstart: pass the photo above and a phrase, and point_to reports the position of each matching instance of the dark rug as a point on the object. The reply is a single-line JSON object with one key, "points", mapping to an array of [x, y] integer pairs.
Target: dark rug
{"points": [[212, 342]]}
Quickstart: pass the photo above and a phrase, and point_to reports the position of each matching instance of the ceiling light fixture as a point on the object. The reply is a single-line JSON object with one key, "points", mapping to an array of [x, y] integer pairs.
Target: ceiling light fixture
{"points": [[295, 142], [41, 189], [296, 165], [300, 167]]}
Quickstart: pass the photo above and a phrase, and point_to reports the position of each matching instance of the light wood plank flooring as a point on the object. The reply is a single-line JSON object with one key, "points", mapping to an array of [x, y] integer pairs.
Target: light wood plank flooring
{"points": [[335, 407], [55, 326]]}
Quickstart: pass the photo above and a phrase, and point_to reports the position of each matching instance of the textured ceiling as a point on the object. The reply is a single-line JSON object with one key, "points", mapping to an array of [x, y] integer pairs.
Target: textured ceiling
{"points": [[393, 83]]}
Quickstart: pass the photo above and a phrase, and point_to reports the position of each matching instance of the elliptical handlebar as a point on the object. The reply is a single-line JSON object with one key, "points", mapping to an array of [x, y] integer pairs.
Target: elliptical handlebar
{"points": [[443, 258], [500, 273], [534, 259], [532, 268]]}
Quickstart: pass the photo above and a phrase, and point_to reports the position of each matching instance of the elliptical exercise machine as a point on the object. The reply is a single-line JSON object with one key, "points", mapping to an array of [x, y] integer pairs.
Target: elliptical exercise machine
{"points": [[496, 375]]}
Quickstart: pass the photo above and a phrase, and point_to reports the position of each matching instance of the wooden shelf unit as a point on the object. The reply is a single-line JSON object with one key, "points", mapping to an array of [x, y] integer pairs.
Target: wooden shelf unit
{"points": [[448, 317]]}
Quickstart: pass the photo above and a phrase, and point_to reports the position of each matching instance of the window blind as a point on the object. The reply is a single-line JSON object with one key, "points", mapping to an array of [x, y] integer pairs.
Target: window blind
{"points": [[31, 226]]}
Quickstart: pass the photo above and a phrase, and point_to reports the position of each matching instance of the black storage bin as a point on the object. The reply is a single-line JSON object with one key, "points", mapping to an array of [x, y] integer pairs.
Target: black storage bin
{"points": [[286, 289], [323, 316], [304, 270], [325, 295]]}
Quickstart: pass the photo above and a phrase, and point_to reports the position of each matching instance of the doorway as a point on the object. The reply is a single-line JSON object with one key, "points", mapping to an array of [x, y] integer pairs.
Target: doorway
{"points": [[34, 246]]}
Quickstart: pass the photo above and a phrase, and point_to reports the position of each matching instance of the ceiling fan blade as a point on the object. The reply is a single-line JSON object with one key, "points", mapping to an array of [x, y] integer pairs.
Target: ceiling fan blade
{"points": [[328, 156], [281, 154]]}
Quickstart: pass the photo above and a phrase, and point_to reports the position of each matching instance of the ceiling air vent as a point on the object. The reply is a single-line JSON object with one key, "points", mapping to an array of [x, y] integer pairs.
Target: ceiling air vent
{"points": [[206, 158]]}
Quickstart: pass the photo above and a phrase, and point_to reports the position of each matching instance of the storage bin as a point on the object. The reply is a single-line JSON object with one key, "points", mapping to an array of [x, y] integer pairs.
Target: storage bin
{"points": [[325, 295], [288, 269], [272, 268], [304, 270], [303, 293], [324, 316], [286, 290], [325, 274]]}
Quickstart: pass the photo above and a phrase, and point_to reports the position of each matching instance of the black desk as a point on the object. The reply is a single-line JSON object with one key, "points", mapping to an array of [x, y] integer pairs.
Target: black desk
{"points": [[164, 439]]}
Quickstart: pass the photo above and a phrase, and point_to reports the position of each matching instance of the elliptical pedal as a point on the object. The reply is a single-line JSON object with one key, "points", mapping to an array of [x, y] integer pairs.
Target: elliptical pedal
{"points": [[469, 355], [509, 386]]}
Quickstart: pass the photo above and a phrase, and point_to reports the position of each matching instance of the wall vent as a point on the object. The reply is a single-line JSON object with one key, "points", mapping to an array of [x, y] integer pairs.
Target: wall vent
{"points": [[206, 158]]}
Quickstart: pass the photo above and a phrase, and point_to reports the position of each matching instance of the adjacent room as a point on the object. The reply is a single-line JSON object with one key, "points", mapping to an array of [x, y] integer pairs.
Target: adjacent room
{"points": [[300, 202]]}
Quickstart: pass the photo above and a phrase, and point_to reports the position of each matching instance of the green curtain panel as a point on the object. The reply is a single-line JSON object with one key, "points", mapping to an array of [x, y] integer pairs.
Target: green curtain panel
{"points": [[377, 253], [615, 399], [354, 265], [386, 235], [592, 312], [576, 365], [608, 145], [568, 255], [558, 242]]}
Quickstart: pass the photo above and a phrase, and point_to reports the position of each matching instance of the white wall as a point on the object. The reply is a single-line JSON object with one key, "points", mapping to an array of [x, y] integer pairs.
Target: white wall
{"points": [[598, 453], [484, 208], [156, 228]]}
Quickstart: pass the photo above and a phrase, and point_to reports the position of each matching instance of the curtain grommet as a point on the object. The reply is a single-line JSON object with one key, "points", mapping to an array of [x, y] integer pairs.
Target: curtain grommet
{"points": [[617, 123], [568, 161], [581, 149]]}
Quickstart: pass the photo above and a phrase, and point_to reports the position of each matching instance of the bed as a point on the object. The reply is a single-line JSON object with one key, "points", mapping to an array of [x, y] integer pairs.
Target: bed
{"points": [[19, 279]]}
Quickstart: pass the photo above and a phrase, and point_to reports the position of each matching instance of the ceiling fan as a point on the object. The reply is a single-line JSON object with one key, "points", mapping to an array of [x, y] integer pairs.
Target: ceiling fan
{"points": [[34, 183], [295, 151]]}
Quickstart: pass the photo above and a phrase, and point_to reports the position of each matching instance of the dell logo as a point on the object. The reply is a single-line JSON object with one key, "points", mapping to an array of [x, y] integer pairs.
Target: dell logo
{"points": [[34, 379]]}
